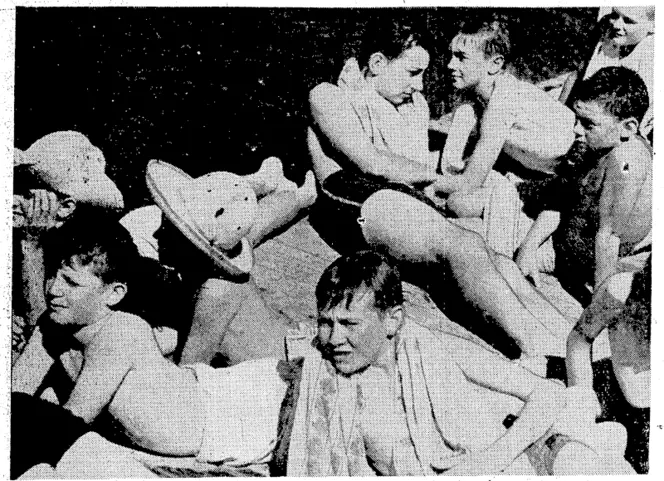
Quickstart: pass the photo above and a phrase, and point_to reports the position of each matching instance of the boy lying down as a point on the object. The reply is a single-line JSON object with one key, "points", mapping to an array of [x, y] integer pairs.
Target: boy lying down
{"points": [[116, 363], [231, 415]]}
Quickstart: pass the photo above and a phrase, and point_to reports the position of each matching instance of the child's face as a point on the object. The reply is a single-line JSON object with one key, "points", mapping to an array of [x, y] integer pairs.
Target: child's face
{"points": [[629, 25], [76, 296], [597, 128], [468, 64], [400, 78]]}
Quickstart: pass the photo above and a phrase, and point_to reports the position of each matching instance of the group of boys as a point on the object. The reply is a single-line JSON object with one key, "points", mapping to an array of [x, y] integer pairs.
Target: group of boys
{"points": [[375, 393]]}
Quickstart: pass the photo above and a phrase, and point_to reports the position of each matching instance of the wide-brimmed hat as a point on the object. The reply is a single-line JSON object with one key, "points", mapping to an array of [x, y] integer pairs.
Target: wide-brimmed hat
{"points": [[215, 211], [68, 163]]}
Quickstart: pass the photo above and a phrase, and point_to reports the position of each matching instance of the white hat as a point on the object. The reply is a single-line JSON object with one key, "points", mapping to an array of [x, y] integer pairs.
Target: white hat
{"points": [[68, 163], [215, 211]]}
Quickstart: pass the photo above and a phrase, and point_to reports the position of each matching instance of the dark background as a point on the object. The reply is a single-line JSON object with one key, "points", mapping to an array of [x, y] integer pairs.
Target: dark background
{"points": [[222, 88]]}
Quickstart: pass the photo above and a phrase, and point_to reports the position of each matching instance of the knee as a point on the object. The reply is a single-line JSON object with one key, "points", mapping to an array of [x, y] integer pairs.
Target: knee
{"points": [[457, 203]]}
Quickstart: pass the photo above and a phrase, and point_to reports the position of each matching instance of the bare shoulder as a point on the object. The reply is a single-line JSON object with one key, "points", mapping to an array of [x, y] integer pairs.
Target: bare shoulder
{"points": [[325, 95], [128, 333], [632, 159]]}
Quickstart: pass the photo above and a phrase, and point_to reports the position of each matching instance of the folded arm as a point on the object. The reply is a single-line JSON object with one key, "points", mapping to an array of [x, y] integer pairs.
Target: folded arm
{"points": [[494, 131], [546, 224], [544, 401], [336, 120]]}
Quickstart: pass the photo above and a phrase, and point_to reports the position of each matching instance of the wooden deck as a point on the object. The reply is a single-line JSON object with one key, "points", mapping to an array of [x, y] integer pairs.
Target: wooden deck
{"points": [[288, 266]]}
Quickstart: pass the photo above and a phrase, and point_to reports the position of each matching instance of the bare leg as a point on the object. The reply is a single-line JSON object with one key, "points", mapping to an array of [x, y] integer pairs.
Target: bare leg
{"points": [[413, 232], [232, 321]]}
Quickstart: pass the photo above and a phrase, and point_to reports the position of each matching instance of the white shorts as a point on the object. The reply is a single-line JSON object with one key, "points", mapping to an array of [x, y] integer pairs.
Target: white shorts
{"points": [[242, 405]]}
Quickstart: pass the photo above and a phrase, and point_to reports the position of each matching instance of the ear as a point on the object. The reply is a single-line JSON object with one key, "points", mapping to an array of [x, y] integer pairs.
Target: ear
{"points": [[393, 320], [496, 64], [66, 209], [377, 63], [629, 128], [116, 292]]}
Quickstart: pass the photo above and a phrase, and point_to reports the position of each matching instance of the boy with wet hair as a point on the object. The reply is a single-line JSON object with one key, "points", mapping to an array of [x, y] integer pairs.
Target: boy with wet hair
{"points": [[511, 117], [598, 212], [116, 366]]}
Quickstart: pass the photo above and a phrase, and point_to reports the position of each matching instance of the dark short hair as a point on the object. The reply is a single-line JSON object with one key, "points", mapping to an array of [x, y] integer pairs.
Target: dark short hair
{"points": [[391, 38], [356, 272], [619, 90], [99, 241], [493, 33]]}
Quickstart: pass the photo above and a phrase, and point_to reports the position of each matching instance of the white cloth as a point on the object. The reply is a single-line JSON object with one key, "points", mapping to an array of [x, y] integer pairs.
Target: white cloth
{"points": [[242, 405], [142, 224], [403, 130]]}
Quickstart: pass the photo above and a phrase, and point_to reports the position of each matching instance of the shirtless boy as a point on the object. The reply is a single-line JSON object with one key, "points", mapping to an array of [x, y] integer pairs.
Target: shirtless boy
{"points": [[512, 116], [600, 213], [114, 361]]}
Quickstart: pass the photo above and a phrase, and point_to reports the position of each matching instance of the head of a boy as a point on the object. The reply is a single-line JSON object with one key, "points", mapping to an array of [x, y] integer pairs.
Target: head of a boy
{"points": [[627, 26], [88, 266], [359, 300], [393, 57], [479, 52], [609, 107]]}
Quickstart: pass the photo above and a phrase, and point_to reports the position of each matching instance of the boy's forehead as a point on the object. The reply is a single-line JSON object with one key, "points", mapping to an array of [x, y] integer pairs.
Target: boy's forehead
{"points": [[594, 111], [468, 44], [361, 299], [637, 14]]}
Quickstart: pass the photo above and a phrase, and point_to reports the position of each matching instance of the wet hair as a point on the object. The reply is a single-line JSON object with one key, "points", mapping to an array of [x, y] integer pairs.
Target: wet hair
{"points": [[620, 91], [390, 38], [97, 241], [490, 35], [355, 273], [102, 242]]}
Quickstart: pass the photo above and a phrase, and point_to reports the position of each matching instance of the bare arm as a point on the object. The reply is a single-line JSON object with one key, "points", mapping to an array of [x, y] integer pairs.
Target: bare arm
{"points": [[463, 122], [544, 400], [494, 132], [336, 120], [621, 205], [595, 318], [546, 224], [30, 369], [39, 218], [107, 362]]}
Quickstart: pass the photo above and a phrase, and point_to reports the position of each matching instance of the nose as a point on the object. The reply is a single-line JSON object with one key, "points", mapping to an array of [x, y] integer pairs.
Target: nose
{"points": [[54, 286], [337, 335], [619, 23], [452, 64], [579, 131], [417, 83]]}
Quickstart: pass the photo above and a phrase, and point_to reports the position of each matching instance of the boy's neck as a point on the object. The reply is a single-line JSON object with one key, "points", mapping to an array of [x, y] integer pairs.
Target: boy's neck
{"points": [[486, 86], [86, 334]]}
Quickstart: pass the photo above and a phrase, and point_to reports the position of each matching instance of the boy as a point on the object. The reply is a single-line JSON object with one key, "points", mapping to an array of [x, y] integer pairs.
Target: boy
{"points": [[57, 177], [599, 212], [114, 361], [513, 117]]}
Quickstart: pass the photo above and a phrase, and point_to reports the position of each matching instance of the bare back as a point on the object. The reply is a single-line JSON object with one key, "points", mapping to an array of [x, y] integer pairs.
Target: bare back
{"points": [[156, 401]]}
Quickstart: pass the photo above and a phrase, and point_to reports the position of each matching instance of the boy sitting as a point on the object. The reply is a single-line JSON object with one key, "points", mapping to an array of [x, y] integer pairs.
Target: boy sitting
{"points": [[598, 213], [114, 361], [512, 116]]}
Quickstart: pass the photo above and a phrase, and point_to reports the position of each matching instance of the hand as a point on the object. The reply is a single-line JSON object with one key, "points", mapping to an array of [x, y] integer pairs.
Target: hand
{"points": [[581, 411], [475, 464], [41, 212], [526, 260]]}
